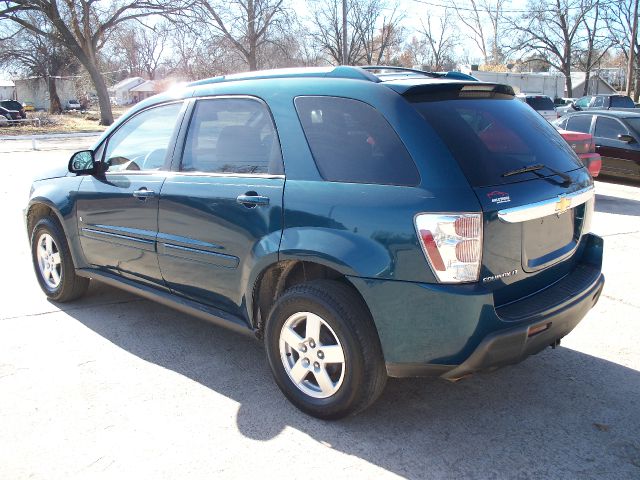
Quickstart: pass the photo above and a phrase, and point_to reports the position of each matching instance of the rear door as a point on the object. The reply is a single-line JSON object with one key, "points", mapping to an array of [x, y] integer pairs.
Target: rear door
{"points": [[532, 188], [618, 158], [220, 209], [118, 210]]}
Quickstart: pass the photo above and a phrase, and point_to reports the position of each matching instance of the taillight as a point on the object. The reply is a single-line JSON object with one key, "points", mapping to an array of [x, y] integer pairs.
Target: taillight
{"points": [[452, 244]]}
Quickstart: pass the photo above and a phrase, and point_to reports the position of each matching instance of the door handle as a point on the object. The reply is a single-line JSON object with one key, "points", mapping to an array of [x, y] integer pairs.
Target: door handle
{"points": [[251, 200], [143, 193]]}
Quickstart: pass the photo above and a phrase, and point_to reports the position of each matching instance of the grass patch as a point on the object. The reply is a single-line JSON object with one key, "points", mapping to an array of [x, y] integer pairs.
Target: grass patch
{"points": [[68, 122]]}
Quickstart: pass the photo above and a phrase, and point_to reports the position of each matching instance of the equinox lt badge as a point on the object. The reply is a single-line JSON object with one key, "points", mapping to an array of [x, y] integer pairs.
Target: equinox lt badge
{"points": [[499, 275]]}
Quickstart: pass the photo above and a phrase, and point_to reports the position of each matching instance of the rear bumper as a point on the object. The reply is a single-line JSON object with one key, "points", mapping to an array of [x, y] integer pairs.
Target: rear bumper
{"points": [[452, 331], [541, 329]]}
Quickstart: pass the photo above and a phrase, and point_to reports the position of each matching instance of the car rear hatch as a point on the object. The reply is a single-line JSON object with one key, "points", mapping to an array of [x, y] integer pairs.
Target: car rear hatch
{"points": [[535, 195]]}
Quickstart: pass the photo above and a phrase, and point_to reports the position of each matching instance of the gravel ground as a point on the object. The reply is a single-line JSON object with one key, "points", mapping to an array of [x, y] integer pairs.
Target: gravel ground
{"points": [[114, 386]]}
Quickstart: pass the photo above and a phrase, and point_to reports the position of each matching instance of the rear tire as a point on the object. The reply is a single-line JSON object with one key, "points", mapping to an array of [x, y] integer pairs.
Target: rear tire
{"points": [[53, 264], [324, 350]]}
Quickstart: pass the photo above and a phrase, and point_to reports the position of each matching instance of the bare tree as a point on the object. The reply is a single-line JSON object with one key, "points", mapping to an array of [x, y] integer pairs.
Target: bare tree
{"points": [[81, 26], [551, 29], [619, 20], [37, 56], [596, 44], [379, 28], [326, 18], [142, 49], [248, 25], [439, 40]]}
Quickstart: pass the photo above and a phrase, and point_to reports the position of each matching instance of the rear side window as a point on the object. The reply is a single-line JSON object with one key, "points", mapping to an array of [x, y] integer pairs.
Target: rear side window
{"points": [[609, 128], [540, 103], [622, 102], [579, 123], [232, 135], [352, 142], [490, 137]]}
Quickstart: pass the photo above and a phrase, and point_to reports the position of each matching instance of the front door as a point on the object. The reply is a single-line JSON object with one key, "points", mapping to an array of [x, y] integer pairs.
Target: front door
{"points": [[619, 158], [220, 212], [118, 210]]}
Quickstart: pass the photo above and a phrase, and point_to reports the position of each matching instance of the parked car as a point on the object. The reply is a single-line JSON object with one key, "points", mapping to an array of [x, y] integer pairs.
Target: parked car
{"points": [[541, 104], [15, 106], [616, 135], [29, 107], [560, 102], [585, 148], [406, 241], [72, 105], [599, 102], [10, 114]]}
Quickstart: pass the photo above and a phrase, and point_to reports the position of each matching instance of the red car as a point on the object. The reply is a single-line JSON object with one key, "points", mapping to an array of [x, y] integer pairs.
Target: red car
{"points": [[585, 147]]}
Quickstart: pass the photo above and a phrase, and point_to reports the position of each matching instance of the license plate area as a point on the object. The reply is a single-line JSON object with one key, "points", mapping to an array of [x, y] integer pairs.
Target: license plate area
{"points": [[550, 239]]}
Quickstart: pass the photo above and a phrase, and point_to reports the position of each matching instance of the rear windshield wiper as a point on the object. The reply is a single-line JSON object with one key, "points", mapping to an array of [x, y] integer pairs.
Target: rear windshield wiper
{"points": [[530, 168], [539, 166]]}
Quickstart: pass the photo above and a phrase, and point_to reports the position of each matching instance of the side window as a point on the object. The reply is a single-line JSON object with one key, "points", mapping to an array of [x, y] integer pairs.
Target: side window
{"points": [[142, 142], [352, 142], [579, 123], [562, 124], [583, 102], [598, 102], [232, 135], [609, 128]]}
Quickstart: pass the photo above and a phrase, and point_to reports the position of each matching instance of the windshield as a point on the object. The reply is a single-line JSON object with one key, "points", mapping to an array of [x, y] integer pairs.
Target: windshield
{"points": [[489, 137], [540, 103], [622, 102]]}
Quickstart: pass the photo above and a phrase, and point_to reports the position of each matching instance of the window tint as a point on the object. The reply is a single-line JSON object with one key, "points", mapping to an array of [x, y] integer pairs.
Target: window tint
{"points": [[579, 123], [540, 103], [142, 142], [621, 102], [232, 135], [609, 128], [598, 102], [352, 142], [489, 137]]}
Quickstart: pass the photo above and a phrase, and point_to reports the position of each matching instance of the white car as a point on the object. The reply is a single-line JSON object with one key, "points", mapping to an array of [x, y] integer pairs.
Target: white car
{"points": [[72, 105], [541, 104]]}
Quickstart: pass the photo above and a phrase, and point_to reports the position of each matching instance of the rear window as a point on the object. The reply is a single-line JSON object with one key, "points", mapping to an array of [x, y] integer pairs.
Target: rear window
{"points": [[352, 142], [540, 103], [622, 102], [490, 137]]}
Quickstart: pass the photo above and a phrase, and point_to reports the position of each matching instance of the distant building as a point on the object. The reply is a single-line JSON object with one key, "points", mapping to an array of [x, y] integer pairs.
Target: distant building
{"points": [[121, 91], [36, 91], [597, 84], [144, 90], [7, 90], [541, 83]]}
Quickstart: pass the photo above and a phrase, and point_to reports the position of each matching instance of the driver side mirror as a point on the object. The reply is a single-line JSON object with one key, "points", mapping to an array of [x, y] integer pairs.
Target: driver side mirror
{"points": [[82, 163], [574, 106], [626, 138]]}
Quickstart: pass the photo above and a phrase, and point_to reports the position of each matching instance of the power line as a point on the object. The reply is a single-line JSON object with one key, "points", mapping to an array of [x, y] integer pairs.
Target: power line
{"points": [[471, 9]]}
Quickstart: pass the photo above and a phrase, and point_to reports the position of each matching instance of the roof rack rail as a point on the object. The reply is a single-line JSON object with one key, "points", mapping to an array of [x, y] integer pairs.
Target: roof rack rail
{"points": [[394, 69], [341, 71]]}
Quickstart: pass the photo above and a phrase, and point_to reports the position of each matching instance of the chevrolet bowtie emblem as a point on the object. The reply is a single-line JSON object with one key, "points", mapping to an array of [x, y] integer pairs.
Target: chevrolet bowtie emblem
{"points": [[562, 205]]}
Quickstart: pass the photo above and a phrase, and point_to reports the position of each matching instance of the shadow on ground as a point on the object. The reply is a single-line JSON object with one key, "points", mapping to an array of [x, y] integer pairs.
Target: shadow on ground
{"points": [[560, 414], [617, 205]]}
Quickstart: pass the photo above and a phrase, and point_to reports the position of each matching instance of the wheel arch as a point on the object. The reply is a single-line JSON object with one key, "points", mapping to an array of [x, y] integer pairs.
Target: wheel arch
{"points": [[277, 277]]}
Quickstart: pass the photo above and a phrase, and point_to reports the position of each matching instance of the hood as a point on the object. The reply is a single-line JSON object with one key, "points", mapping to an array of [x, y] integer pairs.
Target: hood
{"points": [[58, 169]]}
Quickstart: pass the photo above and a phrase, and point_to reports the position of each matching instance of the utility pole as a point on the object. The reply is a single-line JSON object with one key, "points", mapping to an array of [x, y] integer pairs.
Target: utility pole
{"points": [[344, 31], [632, 42]]}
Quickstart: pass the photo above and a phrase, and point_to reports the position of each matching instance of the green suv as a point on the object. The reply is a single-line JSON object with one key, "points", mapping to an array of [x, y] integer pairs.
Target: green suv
{"points": [[361, 222]]}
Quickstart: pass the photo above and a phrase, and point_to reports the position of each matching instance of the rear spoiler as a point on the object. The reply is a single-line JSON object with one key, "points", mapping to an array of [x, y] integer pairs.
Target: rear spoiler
{"points": [[438, 90]]}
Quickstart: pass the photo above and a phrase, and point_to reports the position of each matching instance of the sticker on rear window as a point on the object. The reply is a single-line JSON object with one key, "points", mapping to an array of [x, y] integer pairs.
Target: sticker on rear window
{"points": [[499, 197]]}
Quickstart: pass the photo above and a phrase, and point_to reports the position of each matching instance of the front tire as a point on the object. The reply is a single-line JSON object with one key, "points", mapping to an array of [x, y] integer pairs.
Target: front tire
{"points": [[53, 264], [324, 351]]}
